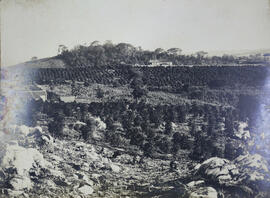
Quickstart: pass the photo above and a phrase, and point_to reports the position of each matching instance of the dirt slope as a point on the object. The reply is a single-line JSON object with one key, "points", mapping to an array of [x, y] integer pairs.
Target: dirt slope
{"points": [[51, 62]]}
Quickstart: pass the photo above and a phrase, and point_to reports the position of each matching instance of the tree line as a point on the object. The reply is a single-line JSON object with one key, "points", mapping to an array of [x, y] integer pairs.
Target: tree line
{"points": [[97, 54]]}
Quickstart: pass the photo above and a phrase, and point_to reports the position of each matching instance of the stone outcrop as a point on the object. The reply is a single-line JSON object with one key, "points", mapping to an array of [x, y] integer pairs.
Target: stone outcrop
{"points": [[218, 170], [198, 189], [246, 175]]}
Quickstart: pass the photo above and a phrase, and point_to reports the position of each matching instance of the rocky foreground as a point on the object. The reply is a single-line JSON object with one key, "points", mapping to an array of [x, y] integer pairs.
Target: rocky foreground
{"points": [[34, 164]]}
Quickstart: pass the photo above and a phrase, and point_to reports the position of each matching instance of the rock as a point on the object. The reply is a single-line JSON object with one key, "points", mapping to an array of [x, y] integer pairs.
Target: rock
{"points": [[115, 168], [22, 159], [87, 180], [99, 123], [196, 183], [254, 168], [204, 192], [79, 146], [124, 159], [95, 177], [46, 140], [19, 162], [180, 190], [255, 161], [244, 176], [20, 183], [15, 193], [57, 173], [80, 123], [197, 189], [86, 190], [213, 162], [50, 184], [107, 153], [218, 170]]}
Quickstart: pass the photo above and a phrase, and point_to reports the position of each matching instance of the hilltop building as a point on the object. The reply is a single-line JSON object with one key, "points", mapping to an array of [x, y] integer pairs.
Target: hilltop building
{"points": [[156, 63]]}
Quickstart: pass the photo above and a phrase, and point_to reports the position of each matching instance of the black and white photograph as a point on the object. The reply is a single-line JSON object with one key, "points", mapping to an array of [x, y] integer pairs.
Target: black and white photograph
{"points": [[135, 99]]}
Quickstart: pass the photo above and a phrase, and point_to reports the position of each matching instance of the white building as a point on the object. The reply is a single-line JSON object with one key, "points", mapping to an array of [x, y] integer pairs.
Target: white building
{"points": [[156, 63]]}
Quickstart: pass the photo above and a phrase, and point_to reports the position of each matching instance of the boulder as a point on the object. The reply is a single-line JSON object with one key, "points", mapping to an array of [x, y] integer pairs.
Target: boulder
{"points": [[253, 168], [124, 159], [218, 170], [99, 123], [86, 190], [199, 189], [15, 193], [198, 183], [24, 163], [107, 153], [204, 192], [22, 158], [46, 140], [115, 168], [255, 161], [19, 183], [245, 176]]}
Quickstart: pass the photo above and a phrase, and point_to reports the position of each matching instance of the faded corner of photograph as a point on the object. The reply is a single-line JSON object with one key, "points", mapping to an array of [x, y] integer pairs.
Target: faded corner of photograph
{"points": [[124, 98]]}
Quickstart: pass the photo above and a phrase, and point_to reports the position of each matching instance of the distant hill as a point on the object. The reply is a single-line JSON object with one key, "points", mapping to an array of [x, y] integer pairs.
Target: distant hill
{"points": [[252, 52], [124, 53], [51, 62], [239, 52]]}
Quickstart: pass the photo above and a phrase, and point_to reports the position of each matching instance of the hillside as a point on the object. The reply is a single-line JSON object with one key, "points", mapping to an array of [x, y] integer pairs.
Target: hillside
{"points": [[239, 52], [51, 62], [122, 131], [108, 54]]}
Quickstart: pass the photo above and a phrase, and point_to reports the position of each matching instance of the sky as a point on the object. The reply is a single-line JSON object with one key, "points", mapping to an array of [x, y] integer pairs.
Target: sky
{"points": [[37, 27]]}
